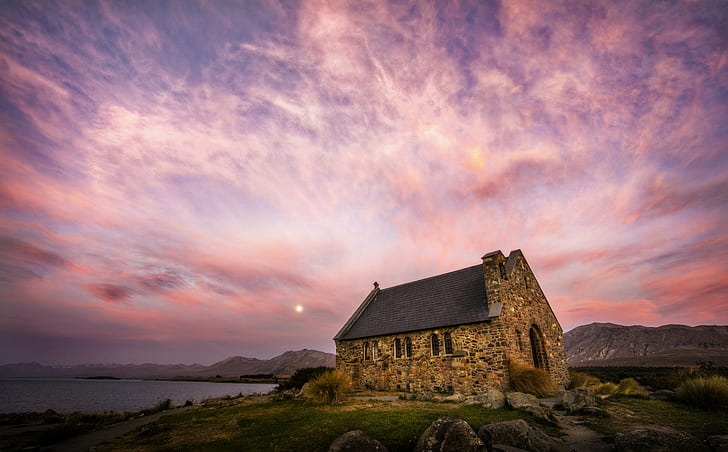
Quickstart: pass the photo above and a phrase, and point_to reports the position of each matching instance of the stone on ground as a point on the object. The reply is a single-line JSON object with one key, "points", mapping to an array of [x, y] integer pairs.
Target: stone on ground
{"points": [[518, 400], [657, 439], [356, 441], [449, 435], [578, 398], [491, 398], [520, 434]]}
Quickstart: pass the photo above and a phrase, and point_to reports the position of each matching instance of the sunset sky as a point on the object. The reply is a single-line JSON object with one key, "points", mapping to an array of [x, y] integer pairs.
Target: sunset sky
{"points": [[178, 177]]}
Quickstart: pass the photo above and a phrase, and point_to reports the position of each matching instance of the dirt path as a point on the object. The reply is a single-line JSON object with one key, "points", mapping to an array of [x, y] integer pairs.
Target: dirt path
{"points": [[89, 441], [578, 436]]}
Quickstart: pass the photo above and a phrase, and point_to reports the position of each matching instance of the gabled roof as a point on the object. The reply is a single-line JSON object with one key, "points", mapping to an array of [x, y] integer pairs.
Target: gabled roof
{"points": [[449, 299]]}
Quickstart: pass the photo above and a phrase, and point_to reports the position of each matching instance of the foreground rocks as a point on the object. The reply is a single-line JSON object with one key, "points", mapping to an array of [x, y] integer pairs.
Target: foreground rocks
{"points": [[356, 441], [657, 439], [578, 399], [492, 398], [449, 435], [520, 434]]}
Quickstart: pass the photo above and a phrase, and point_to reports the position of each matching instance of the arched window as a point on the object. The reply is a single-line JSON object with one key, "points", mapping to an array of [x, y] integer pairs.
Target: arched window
{"points": [[408, 347], [503, 273], [435, 344], [397, 348], [367, 351], [448, 343], [538, 349], [375, 350]]}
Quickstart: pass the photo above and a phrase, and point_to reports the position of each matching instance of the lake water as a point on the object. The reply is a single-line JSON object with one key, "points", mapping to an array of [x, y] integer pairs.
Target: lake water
{"points": [[96, 396]]}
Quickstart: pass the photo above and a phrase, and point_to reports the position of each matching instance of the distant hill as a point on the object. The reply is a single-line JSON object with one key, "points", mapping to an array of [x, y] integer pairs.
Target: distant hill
{"points": [[284, 364], [607, 344]]}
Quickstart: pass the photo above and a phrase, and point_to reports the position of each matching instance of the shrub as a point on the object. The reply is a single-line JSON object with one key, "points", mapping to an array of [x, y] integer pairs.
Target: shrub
{"points": [[629, 386], [302, 376], [705, 392], [581, 379], [607, 388], [530, 380], [329, 387]]}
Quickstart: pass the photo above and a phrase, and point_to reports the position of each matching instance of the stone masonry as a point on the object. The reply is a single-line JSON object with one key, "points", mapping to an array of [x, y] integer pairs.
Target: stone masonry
{"points": [[467, 357]]}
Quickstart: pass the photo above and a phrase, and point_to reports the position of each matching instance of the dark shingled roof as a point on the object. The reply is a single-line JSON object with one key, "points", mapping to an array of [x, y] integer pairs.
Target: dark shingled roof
{"points": [[453, 298]]}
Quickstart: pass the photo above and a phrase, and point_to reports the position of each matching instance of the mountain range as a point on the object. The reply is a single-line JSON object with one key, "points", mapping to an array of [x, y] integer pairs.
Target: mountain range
{"points": [[284, 364], [607, 344]]}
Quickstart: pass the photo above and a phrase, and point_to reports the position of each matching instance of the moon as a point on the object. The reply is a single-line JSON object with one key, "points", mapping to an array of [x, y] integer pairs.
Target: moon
{"points": [[299, 308]]}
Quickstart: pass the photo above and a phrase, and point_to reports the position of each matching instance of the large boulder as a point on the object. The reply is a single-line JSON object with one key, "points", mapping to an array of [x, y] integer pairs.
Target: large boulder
{"points": [[520, 434], [491, 398], [356, 441], [457, 397], [657, 439], [424, 396], [449, 435], [518, 400], [578, 398]]}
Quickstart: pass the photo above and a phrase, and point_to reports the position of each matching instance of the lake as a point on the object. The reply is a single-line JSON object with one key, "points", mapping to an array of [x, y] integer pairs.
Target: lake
{"points": [[96, 396]]}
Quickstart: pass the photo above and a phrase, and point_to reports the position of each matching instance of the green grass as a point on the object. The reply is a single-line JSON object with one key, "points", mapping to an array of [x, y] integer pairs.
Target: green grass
{"points": [[295, 425], [627, 413]]}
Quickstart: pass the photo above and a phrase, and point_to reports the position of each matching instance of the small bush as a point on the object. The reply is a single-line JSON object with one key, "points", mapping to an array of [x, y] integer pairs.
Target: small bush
{"points": [[329, 387], [581, 379], [607, 388], [530, 380], [629, 386], [708, 393]]}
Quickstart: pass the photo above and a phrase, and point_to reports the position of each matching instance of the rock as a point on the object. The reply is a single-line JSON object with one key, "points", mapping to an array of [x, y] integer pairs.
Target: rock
{"points": [[518, 400], [424, 396], [519, 434], [449, 435], [491, 398], [356, 441], [657, 439], [283, 395], [718, 443], [543, 413], [578, 398], [457, 397], [662, 394]]}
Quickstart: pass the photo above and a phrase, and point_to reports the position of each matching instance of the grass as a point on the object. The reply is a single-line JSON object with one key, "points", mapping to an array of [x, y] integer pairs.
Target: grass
{"points": [[710, 393], [626, 413], [530, 380], [295, 425]]}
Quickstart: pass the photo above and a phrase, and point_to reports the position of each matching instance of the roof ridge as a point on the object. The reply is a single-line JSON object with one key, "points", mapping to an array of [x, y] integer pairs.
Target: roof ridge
{"points": [[430, 277]]}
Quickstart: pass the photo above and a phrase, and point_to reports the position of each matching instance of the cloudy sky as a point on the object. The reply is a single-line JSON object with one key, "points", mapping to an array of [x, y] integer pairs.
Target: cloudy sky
{"points": [[177, 177]]}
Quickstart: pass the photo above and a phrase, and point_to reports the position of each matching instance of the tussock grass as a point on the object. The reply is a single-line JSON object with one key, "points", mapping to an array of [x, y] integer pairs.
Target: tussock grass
{"points": [[581, 379], [709, 393], [629, 386], [530, 380], [329, 387]]}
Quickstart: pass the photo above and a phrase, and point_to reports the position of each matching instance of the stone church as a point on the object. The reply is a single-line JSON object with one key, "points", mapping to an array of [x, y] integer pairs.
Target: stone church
{"points": [[453, 332]]}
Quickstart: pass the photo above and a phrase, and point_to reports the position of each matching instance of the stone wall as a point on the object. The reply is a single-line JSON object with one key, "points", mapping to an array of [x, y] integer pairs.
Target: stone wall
{"points": [[478, 361], [528, 316]]}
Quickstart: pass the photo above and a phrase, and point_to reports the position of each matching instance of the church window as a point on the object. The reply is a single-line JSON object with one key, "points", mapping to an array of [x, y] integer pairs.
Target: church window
{"points": [[397, 348], [407, 347], [448, 344], [503, 273], [435, 344], [375, 350], [367, 351]]}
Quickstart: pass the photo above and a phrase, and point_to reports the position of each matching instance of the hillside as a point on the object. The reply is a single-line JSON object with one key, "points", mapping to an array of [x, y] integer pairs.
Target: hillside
{"points": [[284, 364], [607, 344]]}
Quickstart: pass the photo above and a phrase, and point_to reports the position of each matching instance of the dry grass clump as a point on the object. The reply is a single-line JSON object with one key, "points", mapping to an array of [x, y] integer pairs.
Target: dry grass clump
{"points": [[581, 379], [530, 380], [607, 388], [629, 386], [329, 387], [709, 393]]}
